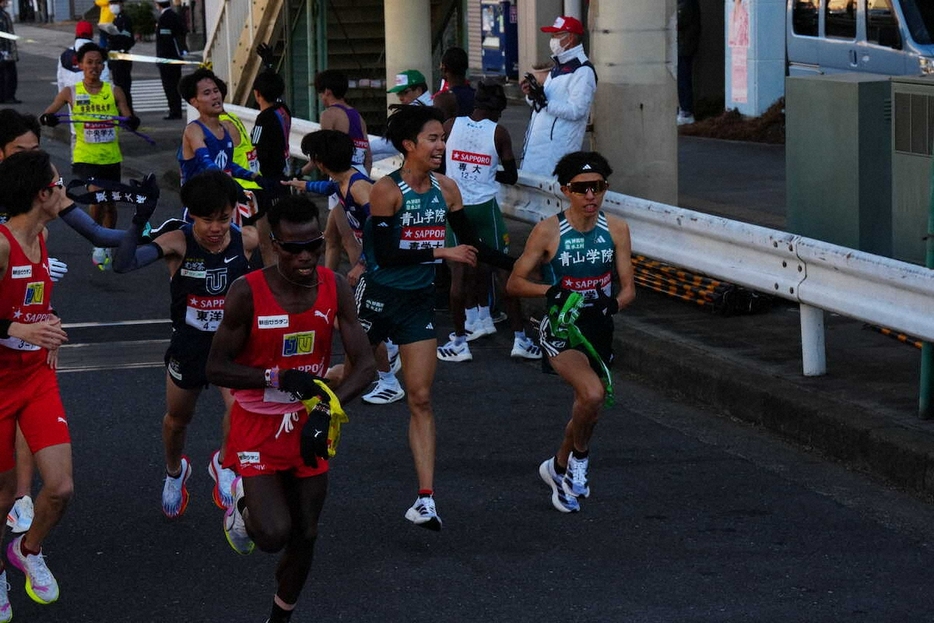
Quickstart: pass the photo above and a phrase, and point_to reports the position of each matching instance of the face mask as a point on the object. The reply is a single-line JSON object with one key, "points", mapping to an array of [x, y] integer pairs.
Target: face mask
{"points": [[556, 47], [115, 9]]}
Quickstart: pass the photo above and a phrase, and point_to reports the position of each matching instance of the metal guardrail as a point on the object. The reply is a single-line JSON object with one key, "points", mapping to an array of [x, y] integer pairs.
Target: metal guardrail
{"points": [[817, 275]]}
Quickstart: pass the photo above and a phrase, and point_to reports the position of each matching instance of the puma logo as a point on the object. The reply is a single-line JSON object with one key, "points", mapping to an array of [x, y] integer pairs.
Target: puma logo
{"points": [[321, 314]]}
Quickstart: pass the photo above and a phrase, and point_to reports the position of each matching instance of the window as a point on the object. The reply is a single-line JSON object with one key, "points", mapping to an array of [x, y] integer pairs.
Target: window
{"points": [[919, 18], [882, 24], [840, 20], [804, 17]]}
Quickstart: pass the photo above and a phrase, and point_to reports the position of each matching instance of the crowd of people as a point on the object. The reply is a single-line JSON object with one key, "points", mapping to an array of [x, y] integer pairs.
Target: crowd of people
{"points": [[258, 287]]}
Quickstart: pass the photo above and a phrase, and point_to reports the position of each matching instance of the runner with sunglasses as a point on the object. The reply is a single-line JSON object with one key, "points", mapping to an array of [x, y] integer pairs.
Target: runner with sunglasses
{"points": [[272, 347], [579, 251], [204, 257]]}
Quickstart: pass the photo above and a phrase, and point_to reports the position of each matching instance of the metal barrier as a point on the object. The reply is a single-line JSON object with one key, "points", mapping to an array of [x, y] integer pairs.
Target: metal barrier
{"points": [[817, 275]]}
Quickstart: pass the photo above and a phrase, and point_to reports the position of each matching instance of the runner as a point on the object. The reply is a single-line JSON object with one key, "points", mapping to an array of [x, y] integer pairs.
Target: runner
{"points": [[30, 335], [96, 151], [579, 249], [274, 340], [204, 257], [404, 237]]}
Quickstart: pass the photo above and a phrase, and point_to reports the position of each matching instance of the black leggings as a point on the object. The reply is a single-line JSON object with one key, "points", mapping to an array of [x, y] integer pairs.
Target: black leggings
{"points": [[282, 512]]}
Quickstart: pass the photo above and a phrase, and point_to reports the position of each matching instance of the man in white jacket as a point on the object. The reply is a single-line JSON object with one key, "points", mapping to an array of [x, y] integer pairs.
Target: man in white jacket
{"points": [[562, 107]]}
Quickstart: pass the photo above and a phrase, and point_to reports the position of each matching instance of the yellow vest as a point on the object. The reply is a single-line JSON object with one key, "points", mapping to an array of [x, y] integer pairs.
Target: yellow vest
{"points": [[95, 139], [244, 153]]}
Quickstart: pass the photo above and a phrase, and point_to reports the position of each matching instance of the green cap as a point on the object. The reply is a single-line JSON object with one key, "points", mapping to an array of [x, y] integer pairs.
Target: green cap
{"points": [[407, 79]]}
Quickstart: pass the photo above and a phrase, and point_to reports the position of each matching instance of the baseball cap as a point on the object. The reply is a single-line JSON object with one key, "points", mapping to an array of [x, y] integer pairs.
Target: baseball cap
{"points": [[407, 79], [84, 30], [565, 23]]}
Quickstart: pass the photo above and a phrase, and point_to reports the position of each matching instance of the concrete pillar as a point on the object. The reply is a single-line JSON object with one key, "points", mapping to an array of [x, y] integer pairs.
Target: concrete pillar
{"points": [[755, 54], [572, 8], [408, 40], [634, 50], [533, 43]]}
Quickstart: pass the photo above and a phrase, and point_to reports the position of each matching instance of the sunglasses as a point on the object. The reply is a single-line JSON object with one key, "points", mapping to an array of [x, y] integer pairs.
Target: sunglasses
{"points": [[595, 186], [59, 183], [294, 248]]}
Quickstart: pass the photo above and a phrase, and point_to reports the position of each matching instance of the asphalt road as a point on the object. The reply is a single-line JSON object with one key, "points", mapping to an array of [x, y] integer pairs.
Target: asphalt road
{"points": [[693, 517]]}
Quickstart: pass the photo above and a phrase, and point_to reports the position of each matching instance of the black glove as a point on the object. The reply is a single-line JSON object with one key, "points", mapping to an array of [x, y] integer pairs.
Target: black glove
{"points": [[556, 296], [606, 305], [132, 123], [265, 53], [144, 212], [314, 440], [302, 385], [49, 119]]}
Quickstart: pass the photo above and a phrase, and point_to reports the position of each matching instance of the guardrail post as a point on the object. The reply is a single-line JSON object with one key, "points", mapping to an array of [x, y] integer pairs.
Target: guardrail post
{"points": [[813, 352]]}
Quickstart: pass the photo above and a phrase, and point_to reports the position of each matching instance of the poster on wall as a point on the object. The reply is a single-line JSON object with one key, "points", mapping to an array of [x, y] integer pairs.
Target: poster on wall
{"points": [[739, 49]]}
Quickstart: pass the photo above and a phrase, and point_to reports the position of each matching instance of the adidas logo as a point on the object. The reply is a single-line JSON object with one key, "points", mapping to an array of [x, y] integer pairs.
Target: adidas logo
{"points": [[600, 239], [434, 200], [430, 326], [586, 167], [382, 224]]}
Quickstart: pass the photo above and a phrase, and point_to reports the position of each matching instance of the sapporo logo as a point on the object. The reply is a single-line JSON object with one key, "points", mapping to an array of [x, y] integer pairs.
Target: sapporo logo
{"points": [[294, 344]]}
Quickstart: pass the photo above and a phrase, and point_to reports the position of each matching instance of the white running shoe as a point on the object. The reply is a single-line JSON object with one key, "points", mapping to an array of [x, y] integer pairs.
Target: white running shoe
{"points": [[20, 516], [234, 527], [175, 493], [424, 515], [575, 479], [452, 351], [101, 258], [40, 583], [559, 499], [6, 611], [483, 326], [384, 393], [685, 118], [525, 349], [223, 479]]}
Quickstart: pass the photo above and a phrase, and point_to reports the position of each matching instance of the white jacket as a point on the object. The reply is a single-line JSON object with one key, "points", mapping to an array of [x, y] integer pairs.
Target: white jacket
{"points": [[558, 129], [70, 76]]}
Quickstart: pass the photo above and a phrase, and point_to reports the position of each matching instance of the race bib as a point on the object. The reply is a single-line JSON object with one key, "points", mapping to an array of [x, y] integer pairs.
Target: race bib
{"points": [[18, 344], [204, 313], [99, 132]]}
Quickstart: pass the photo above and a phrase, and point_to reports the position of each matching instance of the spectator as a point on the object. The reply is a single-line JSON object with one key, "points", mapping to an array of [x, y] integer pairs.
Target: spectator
{"points": [[331, 86], [689, 28], [120, 37], [455, 99], [562, 107], [411, 88], [8, 58], [170, 43]]}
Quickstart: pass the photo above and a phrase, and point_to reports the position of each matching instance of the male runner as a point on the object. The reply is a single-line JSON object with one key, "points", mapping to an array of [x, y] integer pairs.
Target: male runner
{"points": [[404, 236], [96, 153], [30, 335], [204, 257], [274, 342], [578, 251]]}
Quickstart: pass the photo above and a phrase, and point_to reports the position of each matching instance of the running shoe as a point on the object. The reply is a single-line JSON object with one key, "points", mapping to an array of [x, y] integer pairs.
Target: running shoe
{"points": [[223, 479], [40, 583], [101, 258], [175, 492], [384, 393], [499, 316], [395, 361], [20, 516], [575, 479], [525, 349], [561, 500], [452, 351], [424, 515], [6, 611], [234, 527], [479, 328]]}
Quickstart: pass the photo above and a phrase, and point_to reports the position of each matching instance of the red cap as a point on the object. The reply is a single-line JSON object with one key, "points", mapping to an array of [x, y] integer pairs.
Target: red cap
{"points": [[84, 30], [565, 23]]}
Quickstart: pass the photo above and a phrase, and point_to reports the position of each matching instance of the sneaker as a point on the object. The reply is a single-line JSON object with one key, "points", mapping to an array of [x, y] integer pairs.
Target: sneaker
{"points": [[424, 515], [452, 351], [6, 611], [234, 528], [575, 479], [499, 317], [483, 326], [384, 393], [561, 500], [223, 479], [101, 258], [20, 516], [175, 493], [525, 349], [40, 583], [685, 118]]}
